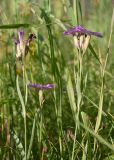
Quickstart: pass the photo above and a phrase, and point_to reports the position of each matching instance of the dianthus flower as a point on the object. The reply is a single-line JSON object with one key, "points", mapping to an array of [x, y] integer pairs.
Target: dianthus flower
{"points": [[21, 45], [81, 36], [41, 86]]}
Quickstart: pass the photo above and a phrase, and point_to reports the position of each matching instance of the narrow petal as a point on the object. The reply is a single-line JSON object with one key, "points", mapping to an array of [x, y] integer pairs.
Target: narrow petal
{"points": [[81, 41], [97, 34], [16, 41], [86, 42], [70, 31], [41, 86], [76, 41], [20, 35]]}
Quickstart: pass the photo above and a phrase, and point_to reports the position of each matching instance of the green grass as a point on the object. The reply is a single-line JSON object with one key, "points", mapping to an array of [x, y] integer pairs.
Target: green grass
{"points": [[75, 120]]}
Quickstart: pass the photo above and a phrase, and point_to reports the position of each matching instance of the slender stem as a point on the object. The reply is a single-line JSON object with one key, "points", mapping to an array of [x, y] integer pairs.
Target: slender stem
{"points": [[74, 7], [73, 150], [78, 79], [23, 113], [24, 109]]}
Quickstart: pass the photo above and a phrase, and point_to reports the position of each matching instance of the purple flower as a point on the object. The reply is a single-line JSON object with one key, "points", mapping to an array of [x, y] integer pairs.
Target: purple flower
{"points": [[20, 35], [21, 45], [81, 36], [41, 86], [79, 29]]}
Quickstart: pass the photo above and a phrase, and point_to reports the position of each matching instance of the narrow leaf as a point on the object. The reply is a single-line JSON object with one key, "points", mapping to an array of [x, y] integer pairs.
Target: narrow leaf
{"points": [[93, 52], [11, 26]]}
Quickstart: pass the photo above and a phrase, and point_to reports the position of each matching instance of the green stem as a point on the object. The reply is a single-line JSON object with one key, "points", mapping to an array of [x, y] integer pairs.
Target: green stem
{"points": [[23, 113]]}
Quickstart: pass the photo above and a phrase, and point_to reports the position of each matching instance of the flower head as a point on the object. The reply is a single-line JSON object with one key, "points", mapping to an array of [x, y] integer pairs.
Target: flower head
{"points": [[21, 45], [79, 29], [41, 86], [81, 36]]}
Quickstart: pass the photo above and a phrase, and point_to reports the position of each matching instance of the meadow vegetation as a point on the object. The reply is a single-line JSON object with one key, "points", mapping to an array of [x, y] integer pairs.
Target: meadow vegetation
{"points": [[71, 115]]}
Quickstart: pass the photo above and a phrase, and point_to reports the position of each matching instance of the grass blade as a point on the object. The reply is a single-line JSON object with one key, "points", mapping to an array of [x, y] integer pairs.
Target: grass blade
{"points": [[12, 26]]}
